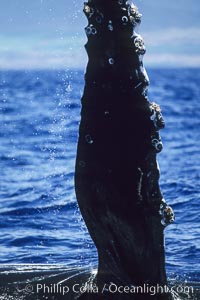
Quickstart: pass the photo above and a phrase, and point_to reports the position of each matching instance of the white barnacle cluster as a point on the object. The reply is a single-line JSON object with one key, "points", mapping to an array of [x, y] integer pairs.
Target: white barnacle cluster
{"points": [[135, 15], [156, 116], [156, 142], [88, 10], [139, 45], [155, 107], [90, 30], [95, 18], [132, 14], [166, 213]]}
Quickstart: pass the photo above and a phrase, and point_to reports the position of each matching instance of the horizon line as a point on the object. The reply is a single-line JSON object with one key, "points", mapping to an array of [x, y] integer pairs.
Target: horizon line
{"points": [[167, 67]]}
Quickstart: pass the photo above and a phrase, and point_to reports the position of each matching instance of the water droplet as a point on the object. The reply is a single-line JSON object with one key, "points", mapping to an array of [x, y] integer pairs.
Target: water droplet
{"points": [[111, 61], [89, 139], [69, 88]]}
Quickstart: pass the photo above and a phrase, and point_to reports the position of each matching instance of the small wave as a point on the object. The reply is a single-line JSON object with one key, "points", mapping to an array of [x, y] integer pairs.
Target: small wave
{"points": [[29, 211]]}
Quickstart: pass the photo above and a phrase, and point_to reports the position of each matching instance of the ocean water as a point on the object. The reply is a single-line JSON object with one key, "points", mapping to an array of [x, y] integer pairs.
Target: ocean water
{"points": [[39, 219]]}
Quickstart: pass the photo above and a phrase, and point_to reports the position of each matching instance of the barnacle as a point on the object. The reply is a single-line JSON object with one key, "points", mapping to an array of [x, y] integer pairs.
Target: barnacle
{"points": [[87, 9], [135, 16], [90, 30], [139, 45], [156, 116], [154, 106]]}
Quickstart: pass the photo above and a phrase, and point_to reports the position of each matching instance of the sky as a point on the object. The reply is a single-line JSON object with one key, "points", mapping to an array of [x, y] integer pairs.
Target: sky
{"points": [[41, 34]]}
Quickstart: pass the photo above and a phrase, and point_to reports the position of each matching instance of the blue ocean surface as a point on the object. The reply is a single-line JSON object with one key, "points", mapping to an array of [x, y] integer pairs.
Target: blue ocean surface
{"points": [[40, 222]]}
